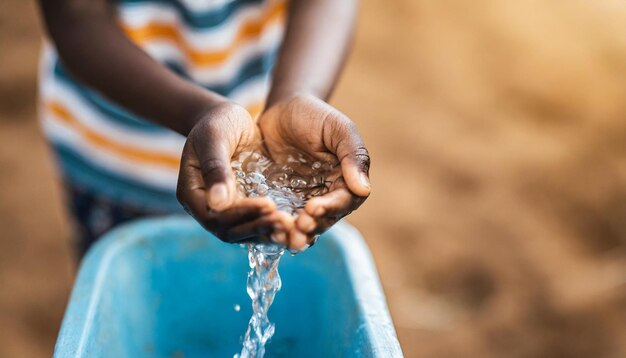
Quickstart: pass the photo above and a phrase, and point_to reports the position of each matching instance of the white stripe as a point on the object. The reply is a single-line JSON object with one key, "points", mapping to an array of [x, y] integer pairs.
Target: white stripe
{"points": [[252, 92], [205, 5], [208, 75], [212, 39], [153, 175]]}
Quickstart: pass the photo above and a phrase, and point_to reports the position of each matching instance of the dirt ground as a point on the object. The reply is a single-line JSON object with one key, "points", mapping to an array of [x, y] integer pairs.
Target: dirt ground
{"points": [[498, 135]]}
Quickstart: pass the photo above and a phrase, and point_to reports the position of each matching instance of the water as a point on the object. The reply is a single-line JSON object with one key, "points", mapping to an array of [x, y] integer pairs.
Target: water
{"points": [[289, 185], [263, 283]]}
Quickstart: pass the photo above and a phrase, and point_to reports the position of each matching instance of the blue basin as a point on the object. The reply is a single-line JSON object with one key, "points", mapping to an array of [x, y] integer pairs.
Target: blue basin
{"points": [[167, 288]]}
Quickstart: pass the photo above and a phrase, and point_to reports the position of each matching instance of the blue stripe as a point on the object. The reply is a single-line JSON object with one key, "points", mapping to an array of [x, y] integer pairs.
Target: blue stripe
{"points": [[255, 68], [206, 19], [79, 170]]}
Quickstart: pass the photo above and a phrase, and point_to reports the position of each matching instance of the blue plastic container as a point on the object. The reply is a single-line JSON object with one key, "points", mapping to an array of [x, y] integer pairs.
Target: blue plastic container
{"points": [[167, 288]]}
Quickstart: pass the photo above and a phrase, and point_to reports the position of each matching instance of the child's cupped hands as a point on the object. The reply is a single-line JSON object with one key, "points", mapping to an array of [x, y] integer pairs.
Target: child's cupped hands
{"points": [[303, 124]]}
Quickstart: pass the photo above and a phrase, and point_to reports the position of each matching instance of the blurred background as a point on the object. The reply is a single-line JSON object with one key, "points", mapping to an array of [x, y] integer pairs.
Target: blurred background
{"points": [[498, 135]]}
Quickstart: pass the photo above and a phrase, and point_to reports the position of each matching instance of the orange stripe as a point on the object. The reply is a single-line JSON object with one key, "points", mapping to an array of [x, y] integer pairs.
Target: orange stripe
{"points": [[250, 30], [100, 141]]}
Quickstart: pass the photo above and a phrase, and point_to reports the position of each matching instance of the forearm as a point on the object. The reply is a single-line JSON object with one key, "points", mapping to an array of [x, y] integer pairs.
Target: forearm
{"points": [[95, 50], [315, 47]]}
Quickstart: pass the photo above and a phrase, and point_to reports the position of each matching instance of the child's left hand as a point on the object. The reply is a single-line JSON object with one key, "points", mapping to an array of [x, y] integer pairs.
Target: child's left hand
{"points": [[310, 125]]}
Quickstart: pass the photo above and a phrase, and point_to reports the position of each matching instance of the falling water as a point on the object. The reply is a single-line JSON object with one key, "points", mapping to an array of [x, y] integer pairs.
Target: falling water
{"points": [[289, 185]]}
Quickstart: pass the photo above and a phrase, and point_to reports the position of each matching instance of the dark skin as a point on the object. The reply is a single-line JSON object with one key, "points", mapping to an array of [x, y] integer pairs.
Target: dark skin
{"points": [[96, 51]]}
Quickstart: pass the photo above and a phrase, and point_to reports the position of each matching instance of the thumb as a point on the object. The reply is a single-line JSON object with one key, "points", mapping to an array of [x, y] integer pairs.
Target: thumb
{"points": [[214, 159], [355, 160]]}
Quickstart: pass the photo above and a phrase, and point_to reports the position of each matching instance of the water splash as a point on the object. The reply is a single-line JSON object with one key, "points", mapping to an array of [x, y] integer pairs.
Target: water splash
{"points": [[289, 185]]}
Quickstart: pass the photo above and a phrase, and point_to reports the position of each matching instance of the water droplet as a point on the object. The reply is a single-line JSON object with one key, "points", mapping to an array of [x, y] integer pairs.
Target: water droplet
{"points": [[318, 191], [262, 189], [237, 308], [256, 178], [317, 180], [298, 183], [316, 165]]}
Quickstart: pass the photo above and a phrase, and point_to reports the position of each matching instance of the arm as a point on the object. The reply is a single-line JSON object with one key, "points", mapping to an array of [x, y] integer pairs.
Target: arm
{"points": [[318, 37], [95, 50]]}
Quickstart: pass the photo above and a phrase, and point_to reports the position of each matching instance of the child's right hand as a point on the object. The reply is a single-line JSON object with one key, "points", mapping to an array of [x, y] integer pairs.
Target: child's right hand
{"points": [[206, 186]]}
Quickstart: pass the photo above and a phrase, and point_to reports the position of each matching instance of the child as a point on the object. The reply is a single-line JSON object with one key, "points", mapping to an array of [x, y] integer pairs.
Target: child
{"points": [[126, 81]]}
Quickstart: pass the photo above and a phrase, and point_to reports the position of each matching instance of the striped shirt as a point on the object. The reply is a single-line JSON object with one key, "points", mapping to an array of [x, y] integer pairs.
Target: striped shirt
{"points": [[226, 46]]}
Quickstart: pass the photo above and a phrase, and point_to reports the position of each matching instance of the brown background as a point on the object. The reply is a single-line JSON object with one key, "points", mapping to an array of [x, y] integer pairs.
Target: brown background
{"points": [[498, 219]]}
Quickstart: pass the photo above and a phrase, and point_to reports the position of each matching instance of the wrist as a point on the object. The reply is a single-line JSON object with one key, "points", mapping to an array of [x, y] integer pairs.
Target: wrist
{"points": [[277, 96], [205, 110], [217, 111]]}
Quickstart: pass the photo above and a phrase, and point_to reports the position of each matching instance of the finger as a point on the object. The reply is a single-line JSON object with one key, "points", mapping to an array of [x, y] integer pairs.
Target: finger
{"points": [[305, 223], [338, 202], [218, 178], [284, 224], [258, 229], [261, 228], [355, 164], [214, 153], [243, 210], [314, 226], [348, 146], [190, 190], [297, 240], [322, 224]]}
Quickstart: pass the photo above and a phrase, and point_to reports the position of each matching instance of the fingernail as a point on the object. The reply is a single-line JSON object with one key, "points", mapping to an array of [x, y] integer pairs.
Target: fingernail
{"points": [[365, 181], [218, 196], [307, 224], [298, 240]]}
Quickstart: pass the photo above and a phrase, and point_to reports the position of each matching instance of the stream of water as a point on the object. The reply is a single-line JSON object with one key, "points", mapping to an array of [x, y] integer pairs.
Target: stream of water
{"points": [[289, 185]]}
